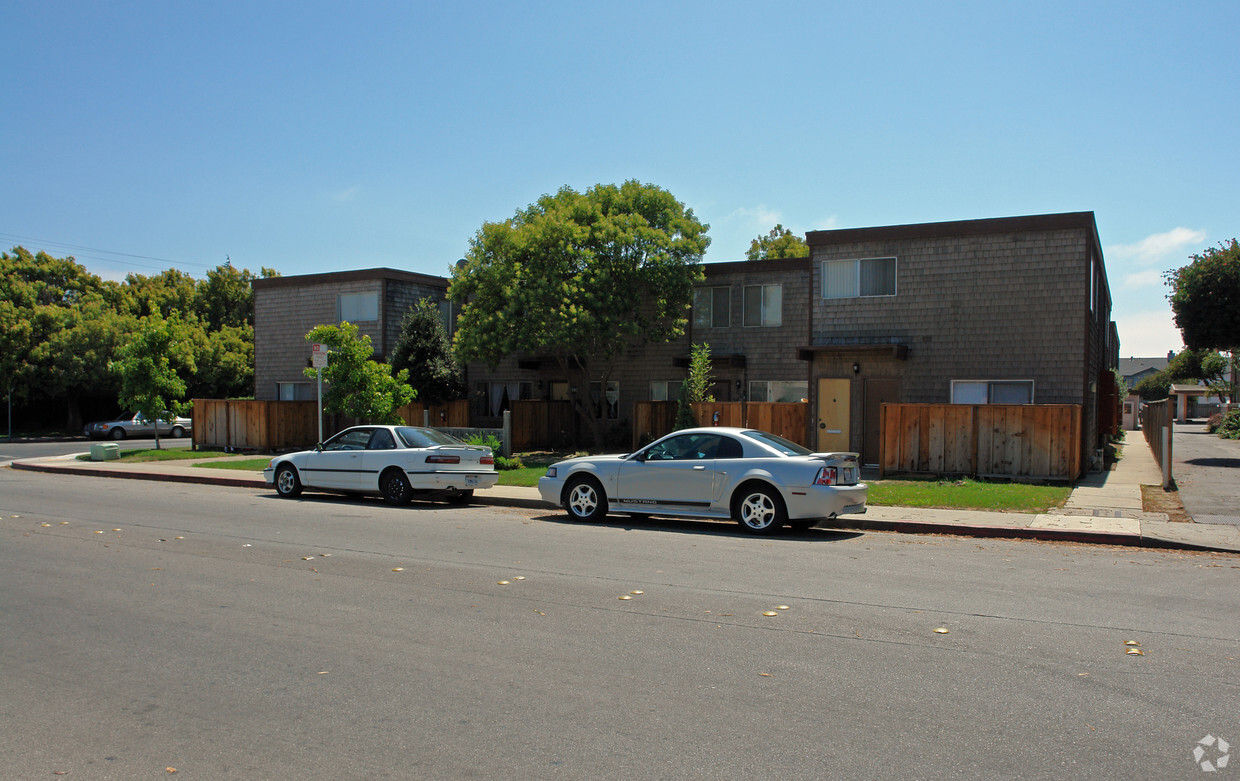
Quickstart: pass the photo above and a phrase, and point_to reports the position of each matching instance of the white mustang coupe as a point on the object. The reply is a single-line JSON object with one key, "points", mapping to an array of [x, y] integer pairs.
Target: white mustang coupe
{"points": [[760, 480], [396, 462]]}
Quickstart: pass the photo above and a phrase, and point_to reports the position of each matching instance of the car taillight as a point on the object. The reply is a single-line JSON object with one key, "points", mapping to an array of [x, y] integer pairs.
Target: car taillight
{"points": [[487, 460], [443, 459], [827, 476]]}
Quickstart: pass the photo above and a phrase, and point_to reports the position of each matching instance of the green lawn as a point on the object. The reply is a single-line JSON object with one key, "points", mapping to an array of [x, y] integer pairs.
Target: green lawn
{"points": [[968, 495], [244, 464], [163, 454]]}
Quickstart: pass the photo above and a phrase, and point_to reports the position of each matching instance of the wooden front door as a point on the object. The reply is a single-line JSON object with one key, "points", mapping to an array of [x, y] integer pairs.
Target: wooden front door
{"points": [[878, 391], [833, 414]]}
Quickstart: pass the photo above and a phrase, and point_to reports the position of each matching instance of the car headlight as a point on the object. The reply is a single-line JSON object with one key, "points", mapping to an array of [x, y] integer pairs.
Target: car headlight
{"points": [[550, 471]]}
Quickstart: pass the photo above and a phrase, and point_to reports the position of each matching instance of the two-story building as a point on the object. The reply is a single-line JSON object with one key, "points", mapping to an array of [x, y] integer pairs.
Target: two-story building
{"points": [[997, 311]]}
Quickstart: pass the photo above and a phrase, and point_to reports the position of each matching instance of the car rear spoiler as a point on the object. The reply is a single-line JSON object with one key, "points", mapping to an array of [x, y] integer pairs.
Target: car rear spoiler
{"points": [[832, 456]]}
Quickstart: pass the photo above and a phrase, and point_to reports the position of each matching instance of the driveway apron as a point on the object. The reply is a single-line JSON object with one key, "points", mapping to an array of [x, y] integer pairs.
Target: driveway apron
{"points": [[1207, 472]]}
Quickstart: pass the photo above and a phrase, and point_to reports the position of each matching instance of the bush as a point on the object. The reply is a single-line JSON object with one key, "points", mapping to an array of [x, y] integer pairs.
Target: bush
{"points": [[497, 447], [1214, 422], [1229, 428], [509, 463]]}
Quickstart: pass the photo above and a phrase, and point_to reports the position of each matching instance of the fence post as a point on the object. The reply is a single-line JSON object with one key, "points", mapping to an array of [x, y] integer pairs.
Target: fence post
{"points": [[426, 417], [507, 445], [1166, 455]]}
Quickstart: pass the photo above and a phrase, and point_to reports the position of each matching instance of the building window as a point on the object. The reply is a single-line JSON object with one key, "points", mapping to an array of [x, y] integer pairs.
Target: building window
{"points": [[859, 278], [774, 390], [763, 305], [606, 405], [711, 307], [357, 307], [296, 391], [665, 390], [992, 391]]}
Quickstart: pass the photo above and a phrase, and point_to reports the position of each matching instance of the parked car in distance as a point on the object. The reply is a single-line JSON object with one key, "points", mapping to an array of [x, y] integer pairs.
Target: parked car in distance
{"points": [[760, 480], [135, 424], [396, 462]]}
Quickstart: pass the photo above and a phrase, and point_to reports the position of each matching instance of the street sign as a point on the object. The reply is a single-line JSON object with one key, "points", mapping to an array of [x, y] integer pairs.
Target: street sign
{"points": [[318, 356]]}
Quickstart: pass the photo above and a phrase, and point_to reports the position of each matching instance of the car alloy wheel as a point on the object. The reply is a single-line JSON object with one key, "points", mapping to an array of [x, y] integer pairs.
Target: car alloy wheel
{"points": [[395, 487], [585, 500], [287, 483], [117, 433], [759, 510]]}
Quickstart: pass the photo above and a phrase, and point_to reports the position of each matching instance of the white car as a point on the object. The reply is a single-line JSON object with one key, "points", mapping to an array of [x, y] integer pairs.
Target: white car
{"points": [[395, 462], [760, 480]]}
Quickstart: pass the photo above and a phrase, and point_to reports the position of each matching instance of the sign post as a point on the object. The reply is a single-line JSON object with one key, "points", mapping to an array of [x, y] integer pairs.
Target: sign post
{"points": [[318, 359]]}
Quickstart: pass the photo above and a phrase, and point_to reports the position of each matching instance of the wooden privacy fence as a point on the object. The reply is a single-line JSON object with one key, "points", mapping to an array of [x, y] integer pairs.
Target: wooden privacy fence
{"points": [[291, 425], [541, 424], [1030, 441], [255, 425], [1157, 422], [653, 419]]}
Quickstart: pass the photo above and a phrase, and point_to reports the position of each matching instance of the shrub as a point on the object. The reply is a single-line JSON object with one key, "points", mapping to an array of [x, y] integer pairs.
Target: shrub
{"points": [[509, 463], [1214, 422], [485, 440], [1229, 428]]}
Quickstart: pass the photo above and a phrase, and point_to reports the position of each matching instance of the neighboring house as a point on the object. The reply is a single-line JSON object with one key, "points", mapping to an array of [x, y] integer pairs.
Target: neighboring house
{"points": [[1011, 310], [1133, 370]]}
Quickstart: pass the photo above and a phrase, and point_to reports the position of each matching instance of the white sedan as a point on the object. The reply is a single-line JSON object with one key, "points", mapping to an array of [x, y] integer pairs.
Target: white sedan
{"points": [[395, 462], [760, 480]]}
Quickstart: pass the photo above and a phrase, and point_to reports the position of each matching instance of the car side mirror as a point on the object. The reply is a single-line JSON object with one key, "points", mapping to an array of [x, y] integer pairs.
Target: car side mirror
{"points": [[318, 447], [640, 456]]}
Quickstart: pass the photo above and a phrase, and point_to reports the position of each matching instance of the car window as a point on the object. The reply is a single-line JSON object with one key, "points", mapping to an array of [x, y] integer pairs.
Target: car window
{"points": [[425, 437], [687, 447], [787, 447], [381, 440], [351, 439], [729, 448]]}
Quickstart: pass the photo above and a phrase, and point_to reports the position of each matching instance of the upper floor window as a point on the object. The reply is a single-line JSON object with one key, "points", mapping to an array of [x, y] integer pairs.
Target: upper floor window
{"points": [[763, 305], [859, 278], [992, 391], [711, 307], [665, 390], [357, 307]]}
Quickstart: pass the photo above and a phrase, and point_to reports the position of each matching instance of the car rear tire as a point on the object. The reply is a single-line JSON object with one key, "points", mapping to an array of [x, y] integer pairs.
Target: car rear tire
{"points": [[117, 433], [394, 486], [759, 509], [288, 484], [584, 499], [177, 432]]}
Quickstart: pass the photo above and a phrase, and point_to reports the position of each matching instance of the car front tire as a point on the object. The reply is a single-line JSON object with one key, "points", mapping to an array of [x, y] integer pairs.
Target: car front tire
{"points": [[394, 486], [117, 433], [584, 499], [178, 432], [759, 509], [288, 484]]}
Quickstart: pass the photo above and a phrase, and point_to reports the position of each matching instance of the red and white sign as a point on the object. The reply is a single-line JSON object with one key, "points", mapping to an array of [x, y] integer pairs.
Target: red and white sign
{"points": [[318, 356]]}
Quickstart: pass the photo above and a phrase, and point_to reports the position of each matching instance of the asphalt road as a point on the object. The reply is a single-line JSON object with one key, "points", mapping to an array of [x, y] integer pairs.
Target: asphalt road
{"points": [[227, 633], [1207, 473]]}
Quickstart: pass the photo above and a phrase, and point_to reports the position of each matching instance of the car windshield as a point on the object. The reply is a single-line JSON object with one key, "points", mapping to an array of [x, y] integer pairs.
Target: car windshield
{"points": [[784, 446], [425, 437], [125, 416]]}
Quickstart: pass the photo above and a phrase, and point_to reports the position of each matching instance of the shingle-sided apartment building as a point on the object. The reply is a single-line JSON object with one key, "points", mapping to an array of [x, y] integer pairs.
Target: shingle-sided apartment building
{"points": [[997, 311]]}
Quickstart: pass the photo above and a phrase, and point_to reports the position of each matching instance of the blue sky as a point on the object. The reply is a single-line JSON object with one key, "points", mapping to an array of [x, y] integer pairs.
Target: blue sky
{"points": [[313, 137]]}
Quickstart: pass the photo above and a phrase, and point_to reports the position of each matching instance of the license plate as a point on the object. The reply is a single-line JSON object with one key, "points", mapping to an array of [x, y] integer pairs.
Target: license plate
{"points": [[471, 479]]}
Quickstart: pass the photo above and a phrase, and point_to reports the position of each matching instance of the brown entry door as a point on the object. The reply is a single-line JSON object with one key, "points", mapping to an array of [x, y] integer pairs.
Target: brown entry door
{"points": [[833, 414], [878, 391]]}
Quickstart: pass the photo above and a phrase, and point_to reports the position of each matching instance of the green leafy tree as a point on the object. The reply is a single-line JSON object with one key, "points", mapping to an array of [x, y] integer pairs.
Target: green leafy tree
{"points": [[1205, 298], [75, 351], [358, 386], [1207, 366], [1155, 387], [226, 296], [424, 350], [696, 387], [150, 367], [580, 277], [779, 243]]}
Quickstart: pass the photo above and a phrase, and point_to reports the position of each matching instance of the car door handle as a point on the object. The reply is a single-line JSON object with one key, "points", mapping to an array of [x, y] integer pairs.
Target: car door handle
{"points": [[700, 467]]}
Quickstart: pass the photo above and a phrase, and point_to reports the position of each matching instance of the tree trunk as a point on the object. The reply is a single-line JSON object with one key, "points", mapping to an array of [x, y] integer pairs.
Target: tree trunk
{"points": [[73, 414]]}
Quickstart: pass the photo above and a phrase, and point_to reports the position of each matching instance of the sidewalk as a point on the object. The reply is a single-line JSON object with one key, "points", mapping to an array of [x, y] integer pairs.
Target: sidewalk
{"points": [[1104, 508]]}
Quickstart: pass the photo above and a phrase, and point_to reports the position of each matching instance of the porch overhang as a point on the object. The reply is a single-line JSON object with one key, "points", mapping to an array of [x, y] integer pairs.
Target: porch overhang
{"points": [[897, 351]]}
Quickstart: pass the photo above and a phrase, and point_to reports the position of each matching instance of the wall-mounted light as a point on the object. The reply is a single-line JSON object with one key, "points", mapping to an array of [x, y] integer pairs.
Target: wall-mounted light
{"points": [[739, 385], [856, 368]]}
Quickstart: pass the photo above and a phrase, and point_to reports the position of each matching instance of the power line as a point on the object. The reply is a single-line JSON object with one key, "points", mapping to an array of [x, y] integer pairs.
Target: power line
{"points": [[7, 237]]}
